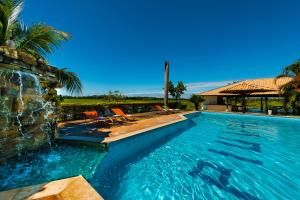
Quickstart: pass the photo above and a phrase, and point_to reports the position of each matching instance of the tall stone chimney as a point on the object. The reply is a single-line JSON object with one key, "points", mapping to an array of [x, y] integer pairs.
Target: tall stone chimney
{"points": [[166, 97]]}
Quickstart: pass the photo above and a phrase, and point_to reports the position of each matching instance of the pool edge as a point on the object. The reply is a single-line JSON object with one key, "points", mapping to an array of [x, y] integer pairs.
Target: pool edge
{"points": [[183, 116]]}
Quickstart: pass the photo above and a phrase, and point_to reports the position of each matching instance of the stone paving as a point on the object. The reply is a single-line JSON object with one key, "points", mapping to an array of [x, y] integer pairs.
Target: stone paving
{"points": [[75, 188]]}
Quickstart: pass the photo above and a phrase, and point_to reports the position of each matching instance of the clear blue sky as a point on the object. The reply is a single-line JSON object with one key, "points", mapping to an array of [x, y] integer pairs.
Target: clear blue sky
{"points": [[122, 44]]}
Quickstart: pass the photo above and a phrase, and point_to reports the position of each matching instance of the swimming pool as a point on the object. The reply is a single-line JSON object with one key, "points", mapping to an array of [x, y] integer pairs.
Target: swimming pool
{"points": [[208, 156], [47, 164], [215, 156]]}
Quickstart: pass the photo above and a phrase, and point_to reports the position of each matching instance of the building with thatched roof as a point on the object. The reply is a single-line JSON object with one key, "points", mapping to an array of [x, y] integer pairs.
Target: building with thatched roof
{"points": [[217, 99]]}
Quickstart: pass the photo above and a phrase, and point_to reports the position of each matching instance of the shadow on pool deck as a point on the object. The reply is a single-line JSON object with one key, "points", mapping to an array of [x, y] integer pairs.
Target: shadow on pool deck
{"points": [[84, 132], [90, 131]]}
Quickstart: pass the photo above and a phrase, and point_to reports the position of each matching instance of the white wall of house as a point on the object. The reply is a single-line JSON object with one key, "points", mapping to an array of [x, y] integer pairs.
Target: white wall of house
{"points": [[210, 100], [221, 108]]}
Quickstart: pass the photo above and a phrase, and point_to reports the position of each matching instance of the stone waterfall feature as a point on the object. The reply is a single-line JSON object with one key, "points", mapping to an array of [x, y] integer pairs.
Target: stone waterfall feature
{"points": [[26, 121]]}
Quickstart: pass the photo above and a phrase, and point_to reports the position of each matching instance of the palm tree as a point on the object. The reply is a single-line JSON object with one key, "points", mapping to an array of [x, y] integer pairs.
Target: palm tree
{"points": [[37, 40], [68, 79], [196, 99], [291, 90]]}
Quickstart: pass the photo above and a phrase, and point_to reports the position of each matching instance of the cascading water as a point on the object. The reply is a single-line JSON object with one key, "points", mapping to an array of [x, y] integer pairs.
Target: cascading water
{"points": [[25, 117], [20, 112]]}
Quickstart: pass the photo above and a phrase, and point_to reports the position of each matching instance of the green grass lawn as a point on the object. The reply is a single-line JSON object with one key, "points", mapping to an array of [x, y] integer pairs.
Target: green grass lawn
{"points": [[271, 103], [252, 103], [103, 102], [77, 101]]}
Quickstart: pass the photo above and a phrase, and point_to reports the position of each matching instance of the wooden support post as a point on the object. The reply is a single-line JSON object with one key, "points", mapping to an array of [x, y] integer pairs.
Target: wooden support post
{"points": [[266, 102], [244, 103], [227, 102], [261, 105]]}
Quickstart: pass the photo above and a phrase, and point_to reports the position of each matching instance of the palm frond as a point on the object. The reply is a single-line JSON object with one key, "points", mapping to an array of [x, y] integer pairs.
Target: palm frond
{"points": [[9, 14], [39, 39], [69, 80], [17, 8], [293, 69]]}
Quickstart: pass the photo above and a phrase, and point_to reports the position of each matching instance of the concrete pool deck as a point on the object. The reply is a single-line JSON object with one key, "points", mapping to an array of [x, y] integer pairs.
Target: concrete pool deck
{"points": [[75, 188], [121, 132], [87, 131]]}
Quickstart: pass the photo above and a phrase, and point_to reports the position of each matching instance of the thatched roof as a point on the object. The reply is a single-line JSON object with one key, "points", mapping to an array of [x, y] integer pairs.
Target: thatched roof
{"points": [[264, 86]]}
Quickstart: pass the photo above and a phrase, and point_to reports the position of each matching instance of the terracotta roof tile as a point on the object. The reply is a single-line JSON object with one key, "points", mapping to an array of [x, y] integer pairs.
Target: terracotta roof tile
{"points": [[247, 88], [263, 84]]}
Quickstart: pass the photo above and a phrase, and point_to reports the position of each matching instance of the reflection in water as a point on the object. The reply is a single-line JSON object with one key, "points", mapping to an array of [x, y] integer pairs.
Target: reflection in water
{"points": [[110, 176], [224, 153], [251, 148], [223, 180], [243, 134], [241, 141]]}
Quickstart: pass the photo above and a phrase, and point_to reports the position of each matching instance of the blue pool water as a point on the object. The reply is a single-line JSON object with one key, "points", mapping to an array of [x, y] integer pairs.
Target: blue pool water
{"points": [[61, 161], [216, 156], [209, 156]]}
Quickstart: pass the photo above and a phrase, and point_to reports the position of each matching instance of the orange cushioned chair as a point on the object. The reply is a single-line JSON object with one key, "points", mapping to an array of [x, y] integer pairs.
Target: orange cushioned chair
{"points": [[94, 115], [91, 114], [120, 112], [161, 111]]}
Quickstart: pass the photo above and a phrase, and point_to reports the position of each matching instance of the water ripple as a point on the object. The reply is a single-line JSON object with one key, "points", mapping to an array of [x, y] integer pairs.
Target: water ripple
{"points": [[222, 157]]}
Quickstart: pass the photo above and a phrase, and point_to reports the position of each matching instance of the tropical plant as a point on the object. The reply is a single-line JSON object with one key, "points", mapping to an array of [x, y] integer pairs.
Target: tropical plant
{"points": [[171, 89], [37, 40], [291, 90], [9, 14], [178, 91], [196, 100], [114, 96], [69, 80]]}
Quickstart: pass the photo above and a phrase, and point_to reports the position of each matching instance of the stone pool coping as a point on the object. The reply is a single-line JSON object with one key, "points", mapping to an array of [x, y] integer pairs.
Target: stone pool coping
{"points": [[255, 114], [75, 188]]}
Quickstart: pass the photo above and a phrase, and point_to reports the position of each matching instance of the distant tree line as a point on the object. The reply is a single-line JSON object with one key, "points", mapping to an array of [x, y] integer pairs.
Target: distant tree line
{"points": [[104, 96]]}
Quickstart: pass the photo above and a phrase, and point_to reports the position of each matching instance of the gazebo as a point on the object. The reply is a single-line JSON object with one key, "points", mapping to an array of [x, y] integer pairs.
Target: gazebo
{"points": [[263, 88], [245, 89]]}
